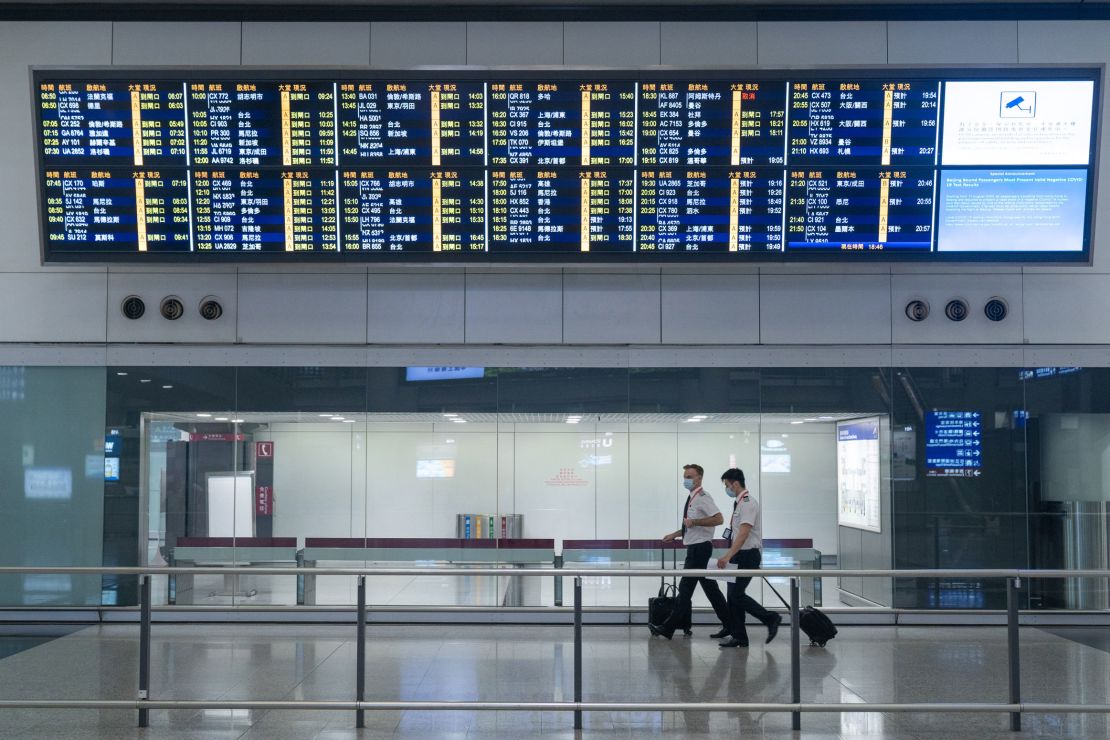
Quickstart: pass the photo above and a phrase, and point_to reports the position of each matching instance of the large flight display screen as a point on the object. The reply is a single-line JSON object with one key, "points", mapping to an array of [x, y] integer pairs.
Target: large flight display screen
{"points": [[463, 165]]}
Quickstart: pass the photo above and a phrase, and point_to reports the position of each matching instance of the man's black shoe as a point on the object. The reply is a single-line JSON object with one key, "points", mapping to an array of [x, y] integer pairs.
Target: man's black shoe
{"points": [[660, 631], [723, 632], [731, 643], [773, 627]]}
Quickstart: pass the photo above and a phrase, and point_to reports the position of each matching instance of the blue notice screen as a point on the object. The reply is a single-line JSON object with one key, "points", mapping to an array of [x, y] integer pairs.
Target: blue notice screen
{"points": [[953, 444], [1012, 210]]}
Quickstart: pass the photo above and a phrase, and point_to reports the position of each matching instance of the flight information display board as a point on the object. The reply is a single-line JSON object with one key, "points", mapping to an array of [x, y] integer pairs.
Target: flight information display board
{"points": [[574, 165]]}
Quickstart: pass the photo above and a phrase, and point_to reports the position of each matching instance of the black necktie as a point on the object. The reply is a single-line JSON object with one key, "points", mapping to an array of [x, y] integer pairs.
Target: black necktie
{"points": [[685, 511]]}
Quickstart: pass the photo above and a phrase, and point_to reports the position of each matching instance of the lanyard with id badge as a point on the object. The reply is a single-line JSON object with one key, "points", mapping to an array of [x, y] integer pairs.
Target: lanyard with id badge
{"points": [[727, 533]]}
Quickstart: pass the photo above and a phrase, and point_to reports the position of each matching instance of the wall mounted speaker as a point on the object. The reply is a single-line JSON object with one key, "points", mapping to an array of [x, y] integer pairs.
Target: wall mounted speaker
{"points": [[133, 307], [956, 310], [210, 309], [172, 308], [996, 309], [917, 310]]}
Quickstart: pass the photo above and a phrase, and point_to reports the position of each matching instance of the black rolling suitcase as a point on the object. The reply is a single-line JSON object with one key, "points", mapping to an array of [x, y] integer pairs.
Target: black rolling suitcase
{"points": [[814, 622], [663, 604]]}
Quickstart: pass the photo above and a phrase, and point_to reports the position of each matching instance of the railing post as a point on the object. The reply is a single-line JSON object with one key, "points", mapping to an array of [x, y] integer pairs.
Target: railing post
{"points": [[578, 650], [1013, 585], [795, 655], [360, 653], [558, 581], [144, 649]]}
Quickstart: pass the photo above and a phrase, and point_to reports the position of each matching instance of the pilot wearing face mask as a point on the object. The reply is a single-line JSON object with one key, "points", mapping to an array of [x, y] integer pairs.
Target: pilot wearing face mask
{"points": [[699, 518], [745, 537]]}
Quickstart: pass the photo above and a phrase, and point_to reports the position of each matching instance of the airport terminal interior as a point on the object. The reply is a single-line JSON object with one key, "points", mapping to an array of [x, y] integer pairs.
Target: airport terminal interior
{"points": [[355, 357]]}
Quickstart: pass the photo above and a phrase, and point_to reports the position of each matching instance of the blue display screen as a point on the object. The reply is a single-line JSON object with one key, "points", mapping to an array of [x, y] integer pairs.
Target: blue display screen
{"points": [[953, 444], [443, 373]]}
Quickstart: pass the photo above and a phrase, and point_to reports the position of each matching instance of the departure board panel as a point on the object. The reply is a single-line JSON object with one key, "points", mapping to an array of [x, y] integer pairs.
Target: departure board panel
{"points": [[468, 164]]}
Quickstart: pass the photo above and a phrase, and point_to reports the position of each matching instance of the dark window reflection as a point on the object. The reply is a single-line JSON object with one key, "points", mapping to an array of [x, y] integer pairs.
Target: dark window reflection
{"points": [[133, 391], [694, 389], [947, 518], [1069, 443], [307, 389], [562, 390]]}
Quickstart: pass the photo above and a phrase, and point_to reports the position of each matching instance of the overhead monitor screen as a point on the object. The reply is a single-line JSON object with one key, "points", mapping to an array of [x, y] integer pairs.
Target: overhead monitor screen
{"points": [[578, 165], [858, 474]]}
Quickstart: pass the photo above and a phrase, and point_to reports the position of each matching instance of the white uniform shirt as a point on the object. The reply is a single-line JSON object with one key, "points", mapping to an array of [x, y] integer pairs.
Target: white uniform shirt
{"points": [[701, 506], [746, 511]]}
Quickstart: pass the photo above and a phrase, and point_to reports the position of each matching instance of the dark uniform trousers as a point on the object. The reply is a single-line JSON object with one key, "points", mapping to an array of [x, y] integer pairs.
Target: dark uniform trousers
{"points": [[739, 602], [697, 558]]}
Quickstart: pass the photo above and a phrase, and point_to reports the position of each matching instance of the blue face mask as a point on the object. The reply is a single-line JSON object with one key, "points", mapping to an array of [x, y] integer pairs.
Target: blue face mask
{"points": [[731, 493], [688, 484]]}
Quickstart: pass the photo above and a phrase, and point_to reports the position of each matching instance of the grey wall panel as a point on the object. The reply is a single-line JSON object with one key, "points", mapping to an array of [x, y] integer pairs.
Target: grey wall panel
{"points": [[938, 290], [61, 355], [514, 308], [623, 44], [710, 309], [153, 288], [1067, 308], [1066, 356], [790, 44], [761, 356], [692, 44], [259, 355], [422, 308], [306, 43], [176, 43], [916, 42], [956, 355], [514, 43], [239, 354], [21, 45], [611, 309], [819, 309], [414, 44], [1063, 41], [52, 307], [313, 309]]}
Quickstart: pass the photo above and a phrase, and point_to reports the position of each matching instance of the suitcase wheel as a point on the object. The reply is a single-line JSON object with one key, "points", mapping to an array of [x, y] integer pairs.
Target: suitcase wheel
{"points": [[688, 633]]}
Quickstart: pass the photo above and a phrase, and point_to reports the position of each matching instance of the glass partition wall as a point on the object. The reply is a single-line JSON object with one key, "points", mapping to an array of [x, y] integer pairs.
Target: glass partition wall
{"points": [[558, 467]]}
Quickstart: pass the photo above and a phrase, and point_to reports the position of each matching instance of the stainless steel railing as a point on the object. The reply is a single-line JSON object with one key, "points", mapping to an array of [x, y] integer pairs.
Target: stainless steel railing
{"points": [[144, 702]]}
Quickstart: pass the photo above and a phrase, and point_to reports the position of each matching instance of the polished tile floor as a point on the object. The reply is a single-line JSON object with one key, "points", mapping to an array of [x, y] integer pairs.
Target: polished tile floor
{"points": [[522, 663]]}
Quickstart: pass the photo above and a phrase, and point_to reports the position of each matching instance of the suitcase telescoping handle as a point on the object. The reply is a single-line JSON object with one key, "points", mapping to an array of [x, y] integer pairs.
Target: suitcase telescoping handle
{"points": [[776, 593], [663, 564]]}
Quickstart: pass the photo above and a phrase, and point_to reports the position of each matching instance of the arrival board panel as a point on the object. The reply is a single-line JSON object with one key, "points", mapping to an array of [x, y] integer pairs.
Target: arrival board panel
{"points": [[576, 165]]}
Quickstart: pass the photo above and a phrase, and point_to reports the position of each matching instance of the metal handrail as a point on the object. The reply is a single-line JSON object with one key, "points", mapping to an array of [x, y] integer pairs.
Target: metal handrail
{"points": [[1012, 576], [587, 572]]}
